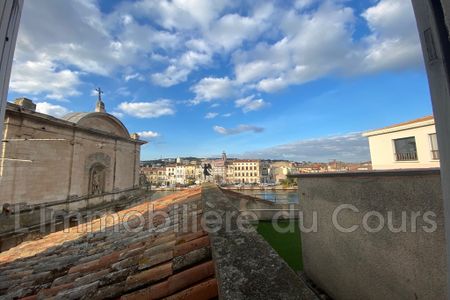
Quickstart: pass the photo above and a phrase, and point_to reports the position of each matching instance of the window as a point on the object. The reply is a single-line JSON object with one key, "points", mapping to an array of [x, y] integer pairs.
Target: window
{"points": [[405, 149], [434, 146]]}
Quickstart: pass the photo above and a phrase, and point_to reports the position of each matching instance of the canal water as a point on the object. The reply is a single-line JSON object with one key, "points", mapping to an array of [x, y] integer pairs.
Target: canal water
{"points": [[273, 195], [269, 195]]}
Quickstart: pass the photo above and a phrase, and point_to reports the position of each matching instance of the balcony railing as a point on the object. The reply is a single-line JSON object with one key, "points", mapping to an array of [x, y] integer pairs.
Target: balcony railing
{"points": [[406, 156], [435, 154]]}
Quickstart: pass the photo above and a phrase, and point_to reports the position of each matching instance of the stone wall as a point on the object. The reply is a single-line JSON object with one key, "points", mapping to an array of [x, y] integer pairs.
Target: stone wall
{"points": [[55, 165], [361, 264], [246, 266]]}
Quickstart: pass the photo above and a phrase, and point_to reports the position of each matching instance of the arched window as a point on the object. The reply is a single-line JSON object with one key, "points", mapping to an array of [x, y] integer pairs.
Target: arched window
{"points": [[97, 179]]}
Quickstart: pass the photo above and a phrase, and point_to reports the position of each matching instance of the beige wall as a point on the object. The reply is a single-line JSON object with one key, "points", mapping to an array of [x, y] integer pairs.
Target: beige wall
{"points": [[58, 170], [404, 259], [382, 150]]}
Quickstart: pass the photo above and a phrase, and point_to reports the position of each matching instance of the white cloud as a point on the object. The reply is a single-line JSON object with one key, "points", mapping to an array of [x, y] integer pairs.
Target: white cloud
{"points": [[349, 147], [51, 109], [136, 76], [182, 67], [43, 77], [77, 36], [250, 103], [180, 14], [253, 70], [153, 109], [394, 42], [171, 76], [301, 4], [268, 46], [299, 55], [148, 134], [237, 130], [211, 88], [211, 115], [227, 115], [118, 114], [224, 35]]}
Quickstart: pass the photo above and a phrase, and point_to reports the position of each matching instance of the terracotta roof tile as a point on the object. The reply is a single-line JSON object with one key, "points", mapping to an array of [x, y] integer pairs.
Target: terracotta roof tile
{"points": [[152, 260], [149, 276], [102, 259], [204, 290], [50, 292], [184, 248], [175, 283], [190, 276]]}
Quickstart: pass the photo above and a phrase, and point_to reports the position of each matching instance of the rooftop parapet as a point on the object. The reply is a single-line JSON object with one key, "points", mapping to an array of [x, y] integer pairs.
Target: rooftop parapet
{"points": [[377, 235], [247, 267]]}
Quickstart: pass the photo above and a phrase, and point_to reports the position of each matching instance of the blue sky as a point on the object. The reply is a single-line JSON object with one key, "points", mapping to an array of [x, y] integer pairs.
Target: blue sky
{"points": [[270, 79]]}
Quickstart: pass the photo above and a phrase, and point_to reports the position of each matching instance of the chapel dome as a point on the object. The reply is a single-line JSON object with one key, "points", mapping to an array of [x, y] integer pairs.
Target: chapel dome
{"points": [[99, 121]]}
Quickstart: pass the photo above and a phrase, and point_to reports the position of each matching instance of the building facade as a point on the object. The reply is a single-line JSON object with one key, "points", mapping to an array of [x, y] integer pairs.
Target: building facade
{"points": [[171, 179], [280, 170], [409, 145], [249, 171], [79, 161], [155, 175]]}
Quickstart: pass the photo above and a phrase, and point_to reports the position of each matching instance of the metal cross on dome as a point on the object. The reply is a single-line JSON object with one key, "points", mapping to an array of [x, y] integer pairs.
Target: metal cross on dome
{"points": [[99, 92]]}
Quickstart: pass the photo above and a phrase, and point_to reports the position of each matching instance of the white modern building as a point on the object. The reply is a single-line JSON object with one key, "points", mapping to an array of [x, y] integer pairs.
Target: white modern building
{"points": [[408, 145]]}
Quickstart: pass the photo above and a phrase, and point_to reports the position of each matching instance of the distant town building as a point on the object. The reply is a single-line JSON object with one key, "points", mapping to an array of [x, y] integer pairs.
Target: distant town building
{"points": [[313, 168], [155, 175], [67, 163], [407, 145], [230, 171], [219, 168], [249, 171], [279, 170], [171, 179], [193, 174]]}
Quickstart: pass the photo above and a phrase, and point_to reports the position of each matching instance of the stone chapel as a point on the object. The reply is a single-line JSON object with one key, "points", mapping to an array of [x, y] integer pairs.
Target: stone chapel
{"points": [[83, 160]]}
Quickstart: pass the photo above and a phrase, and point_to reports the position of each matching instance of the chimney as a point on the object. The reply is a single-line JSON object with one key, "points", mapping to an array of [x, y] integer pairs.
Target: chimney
{"points": [[25, 103]]}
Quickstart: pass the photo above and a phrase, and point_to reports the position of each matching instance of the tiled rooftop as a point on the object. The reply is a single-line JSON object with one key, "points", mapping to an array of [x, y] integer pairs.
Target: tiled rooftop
{"points": [[129, 259]]}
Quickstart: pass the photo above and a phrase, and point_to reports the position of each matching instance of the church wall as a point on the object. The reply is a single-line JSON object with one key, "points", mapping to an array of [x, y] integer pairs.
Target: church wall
{"points": [[125, 165], [44, 177], [60, 170], [137, 159], [92, 149]]}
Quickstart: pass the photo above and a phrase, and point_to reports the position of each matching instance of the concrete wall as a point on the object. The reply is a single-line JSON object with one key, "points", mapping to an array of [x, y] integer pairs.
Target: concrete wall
{"points": [[382, 149], [378, 265]]}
